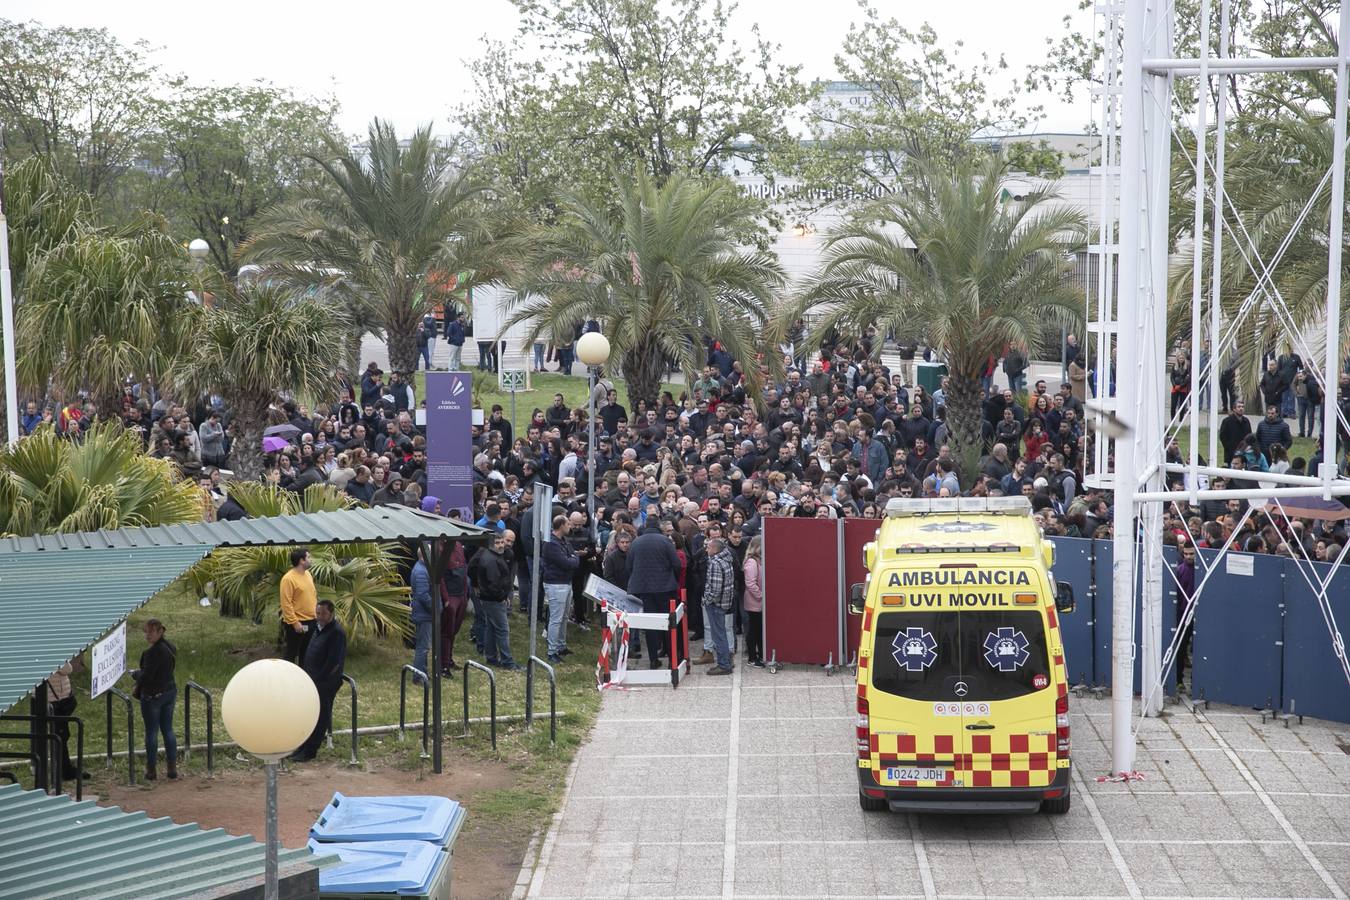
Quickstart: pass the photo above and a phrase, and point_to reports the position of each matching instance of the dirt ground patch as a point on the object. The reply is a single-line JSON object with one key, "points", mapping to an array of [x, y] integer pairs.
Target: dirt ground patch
{"points": [[487, 855]]}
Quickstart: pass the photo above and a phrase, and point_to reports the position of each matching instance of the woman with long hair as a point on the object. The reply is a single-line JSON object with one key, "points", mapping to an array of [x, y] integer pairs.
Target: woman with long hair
{"points": [[752, 601]]}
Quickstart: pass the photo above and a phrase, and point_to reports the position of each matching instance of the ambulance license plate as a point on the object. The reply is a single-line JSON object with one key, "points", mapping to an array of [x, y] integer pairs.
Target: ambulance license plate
{"points": [[917, 774]]}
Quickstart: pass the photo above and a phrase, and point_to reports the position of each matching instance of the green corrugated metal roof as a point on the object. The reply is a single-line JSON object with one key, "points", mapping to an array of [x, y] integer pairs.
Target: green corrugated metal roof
{"points": [[54, 605], [378, 523], [58, 848], [59, 593]]}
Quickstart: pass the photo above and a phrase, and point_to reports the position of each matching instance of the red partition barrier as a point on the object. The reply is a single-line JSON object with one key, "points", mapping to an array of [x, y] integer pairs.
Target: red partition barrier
{"points": [[857, 532], [802, 610]]}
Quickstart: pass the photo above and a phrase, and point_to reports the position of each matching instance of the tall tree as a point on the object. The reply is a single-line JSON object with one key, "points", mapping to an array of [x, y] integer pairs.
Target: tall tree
{"points": [[384, 227], [657, 86], [665, 274], [99, 307], [903, 95], [77, 96], [221, 155], [959, 258], [252, 344]]}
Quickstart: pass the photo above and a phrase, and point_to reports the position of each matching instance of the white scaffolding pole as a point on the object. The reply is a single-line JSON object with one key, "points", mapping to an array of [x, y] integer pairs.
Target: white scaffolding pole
{"points": [[1147, 70], [1129, 296]]}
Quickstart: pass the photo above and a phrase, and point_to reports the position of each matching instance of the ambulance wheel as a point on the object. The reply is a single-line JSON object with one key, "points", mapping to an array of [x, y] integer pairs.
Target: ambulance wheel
{"points": [[1056, 806], [871, 804]]}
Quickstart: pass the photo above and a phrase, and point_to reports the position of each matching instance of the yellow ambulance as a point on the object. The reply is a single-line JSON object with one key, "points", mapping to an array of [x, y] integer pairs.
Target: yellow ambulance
{"points": [[963, 703]]}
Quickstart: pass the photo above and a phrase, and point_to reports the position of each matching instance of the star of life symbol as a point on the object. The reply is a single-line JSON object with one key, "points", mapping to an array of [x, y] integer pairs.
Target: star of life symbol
{"points": [[1006, 649], [915, 649]]}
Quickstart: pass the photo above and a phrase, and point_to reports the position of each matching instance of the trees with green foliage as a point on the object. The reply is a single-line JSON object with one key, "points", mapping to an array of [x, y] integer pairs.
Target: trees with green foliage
{"points": [[77, 96], [907, 96], [976, 268], [385, 227], [657, 86], [51, 485], [98, 307], [361, 579], [665, 273], [253, 343], [221, 155]]}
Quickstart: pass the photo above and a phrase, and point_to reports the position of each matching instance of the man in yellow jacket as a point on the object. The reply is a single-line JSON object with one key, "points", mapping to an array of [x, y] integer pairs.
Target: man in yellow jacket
{"points": [[298, 600]]}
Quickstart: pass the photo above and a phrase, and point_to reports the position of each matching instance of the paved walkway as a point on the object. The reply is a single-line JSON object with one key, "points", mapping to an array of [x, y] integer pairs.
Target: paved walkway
{"points": [[744, 787]]}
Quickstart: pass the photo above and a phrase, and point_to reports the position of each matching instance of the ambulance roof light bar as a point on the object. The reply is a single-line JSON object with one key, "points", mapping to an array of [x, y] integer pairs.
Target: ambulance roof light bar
{"points": [[901, 506]]}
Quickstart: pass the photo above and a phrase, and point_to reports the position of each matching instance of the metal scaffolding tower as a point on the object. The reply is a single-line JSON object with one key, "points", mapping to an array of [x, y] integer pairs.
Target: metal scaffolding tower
{"points": [[1128, 318]]}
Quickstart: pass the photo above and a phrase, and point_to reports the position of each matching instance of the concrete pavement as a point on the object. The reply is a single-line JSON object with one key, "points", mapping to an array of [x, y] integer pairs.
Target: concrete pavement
{"points": [[745, 787]]}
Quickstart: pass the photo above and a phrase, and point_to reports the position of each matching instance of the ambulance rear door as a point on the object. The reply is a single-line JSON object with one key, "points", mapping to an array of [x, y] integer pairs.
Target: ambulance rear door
{"points": [[918, 737]]}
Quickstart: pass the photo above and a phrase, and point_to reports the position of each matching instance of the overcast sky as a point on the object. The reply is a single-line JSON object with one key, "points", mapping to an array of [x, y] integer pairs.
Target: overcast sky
{"points": [[405, 61]]}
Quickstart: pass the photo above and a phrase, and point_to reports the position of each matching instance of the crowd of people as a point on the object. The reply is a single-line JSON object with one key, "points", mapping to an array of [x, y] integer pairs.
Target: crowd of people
{"points": [[684, 484]]}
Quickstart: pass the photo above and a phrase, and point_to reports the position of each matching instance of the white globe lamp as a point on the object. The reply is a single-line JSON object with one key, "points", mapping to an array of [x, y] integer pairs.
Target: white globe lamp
{"points": [[593, 349], [269, 707], [199, 249]]}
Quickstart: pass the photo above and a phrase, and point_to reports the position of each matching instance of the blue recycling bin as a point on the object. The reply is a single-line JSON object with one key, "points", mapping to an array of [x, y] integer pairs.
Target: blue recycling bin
{"points": [[417, 870], [415, 818]]}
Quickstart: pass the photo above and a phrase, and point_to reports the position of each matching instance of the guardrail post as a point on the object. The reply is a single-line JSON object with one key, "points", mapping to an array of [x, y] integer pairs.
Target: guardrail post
{"points": [[492, 693], [131, 732], [210, 725], [352, 683], [402, 701], [552, 695]]}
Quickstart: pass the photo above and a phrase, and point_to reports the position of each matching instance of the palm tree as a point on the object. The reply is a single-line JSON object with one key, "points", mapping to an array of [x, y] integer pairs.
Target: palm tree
{"points": [[956, 257], [664, 272], [252, 344], [97, 307], [44, 210], [361, 579], [50, 485], [383, 227]]}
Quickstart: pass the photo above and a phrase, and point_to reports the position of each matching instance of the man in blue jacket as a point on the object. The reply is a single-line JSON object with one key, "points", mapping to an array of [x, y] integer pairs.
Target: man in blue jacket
{"points": [[421, 615], [557, 563], [454, 336]]}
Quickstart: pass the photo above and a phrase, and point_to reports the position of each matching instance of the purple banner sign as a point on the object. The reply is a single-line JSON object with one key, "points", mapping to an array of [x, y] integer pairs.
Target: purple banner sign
{"points": [[449, 398]]}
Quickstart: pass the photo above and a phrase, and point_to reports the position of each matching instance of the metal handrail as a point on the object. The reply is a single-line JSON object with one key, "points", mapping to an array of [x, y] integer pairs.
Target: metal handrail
{"points": [[402, 700], [552, 696], [352, 683], [131, 736], [57, 748], [492, 686], [210, 725]]}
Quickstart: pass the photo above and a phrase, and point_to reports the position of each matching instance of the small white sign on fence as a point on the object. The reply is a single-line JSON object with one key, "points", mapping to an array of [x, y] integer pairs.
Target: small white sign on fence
{"points": [[110, 661]]}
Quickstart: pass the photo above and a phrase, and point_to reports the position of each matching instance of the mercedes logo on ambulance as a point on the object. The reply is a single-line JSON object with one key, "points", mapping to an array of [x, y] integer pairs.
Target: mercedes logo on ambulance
{"points": [[961, 689]]}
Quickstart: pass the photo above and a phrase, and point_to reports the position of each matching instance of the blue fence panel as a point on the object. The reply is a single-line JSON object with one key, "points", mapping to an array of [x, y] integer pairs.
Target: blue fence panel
{"points": [[1238, 628], [1102, 627], [1074, 564], [1314, 682]]}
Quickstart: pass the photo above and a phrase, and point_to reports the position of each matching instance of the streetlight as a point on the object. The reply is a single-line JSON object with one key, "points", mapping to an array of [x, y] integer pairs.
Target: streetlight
{"points": [[593, 351], [269, 707], [199, 250]]}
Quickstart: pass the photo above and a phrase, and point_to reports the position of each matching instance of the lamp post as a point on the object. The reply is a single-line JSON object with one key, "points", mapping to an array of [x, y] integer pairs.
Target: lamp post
{"points": [[593, 351], [7, 316], [269, 707]]}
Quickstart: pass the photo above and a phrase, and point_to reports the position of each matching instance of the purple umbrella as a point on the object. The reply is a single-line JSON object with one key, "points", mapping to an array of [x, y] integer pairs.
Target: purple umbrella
{"points": [[274, 444]]}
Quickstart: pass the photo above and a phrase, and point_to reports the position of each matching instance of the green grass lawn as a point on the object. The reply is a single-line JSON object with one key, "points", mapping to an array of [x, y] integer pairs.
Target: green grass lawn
{"points": [[542, 388], [1304, 447], [212, 648]]}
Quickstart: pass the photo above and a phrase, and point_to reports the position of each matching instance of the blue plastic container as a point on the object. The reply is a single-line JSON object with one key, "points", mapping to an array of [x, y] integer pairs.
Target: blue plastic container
{"points": [[433, 819], [416, 869]]}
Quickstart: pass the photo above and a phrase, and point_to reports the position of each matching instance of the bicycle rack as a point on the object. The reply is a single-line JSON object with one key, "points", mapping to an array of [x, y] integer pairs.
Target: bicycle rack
{"points": [[131, 732], [210, 726], [402, 702], [492, 688], [552, 697]]}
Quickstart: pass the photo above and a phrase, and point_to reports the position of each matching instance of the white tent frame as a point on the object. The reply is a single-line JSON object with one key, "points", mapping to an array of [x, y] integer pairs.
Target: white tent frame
{"points": [[1129, 317]]}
